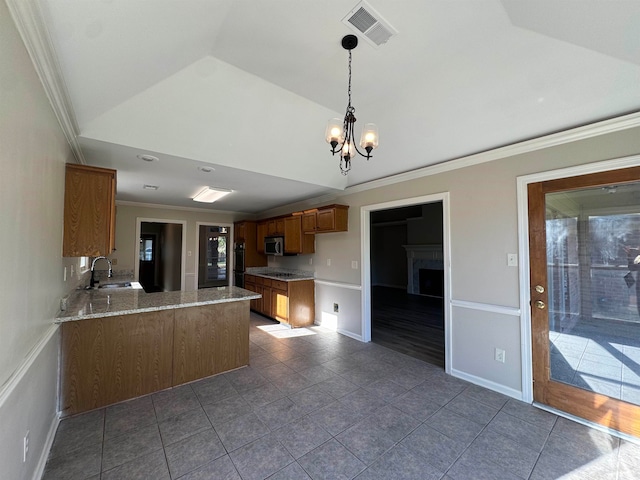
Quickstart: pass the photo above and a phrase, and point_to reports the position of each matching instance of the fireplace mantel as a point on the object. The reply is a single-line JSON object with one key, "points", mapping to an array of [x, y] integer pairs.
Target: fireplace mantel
{"points": [[422, 256]]}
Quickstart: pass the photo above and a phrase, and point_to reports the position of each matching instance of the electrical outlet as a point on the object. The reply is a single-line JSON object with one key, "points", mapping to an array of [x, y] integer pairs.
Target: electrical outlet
{"points": [[500, 355], [65, 274], [114, 261], [71, 271], [354, 264], [328, 262], [336, 308], [311, 261], [25, 447]]}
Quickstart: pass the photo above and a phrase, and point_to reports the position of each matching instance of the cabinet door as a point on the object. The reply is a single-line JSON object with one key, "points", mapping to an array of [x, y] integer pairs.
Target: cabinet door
{"points": [[332, 219], [266, 301], [239, 232], [261, 233], [280, 226], [280, 305], [293, 234], [309, 222], [89, 211]]}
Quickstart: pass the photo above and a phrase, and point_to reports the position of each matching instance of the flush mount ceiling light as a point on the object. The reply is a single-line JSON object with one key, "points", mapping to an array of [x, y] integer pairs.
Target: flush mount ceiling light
{"points": [[147, 157], [210, 195], [206, 169], [339, 132], [150, 187]]}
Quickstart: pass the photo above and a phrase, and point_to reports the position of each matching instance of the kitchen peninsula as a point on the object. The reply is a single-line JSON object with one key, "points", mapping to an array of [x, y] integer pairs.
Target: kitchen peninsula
{"points": [[122, 343]]}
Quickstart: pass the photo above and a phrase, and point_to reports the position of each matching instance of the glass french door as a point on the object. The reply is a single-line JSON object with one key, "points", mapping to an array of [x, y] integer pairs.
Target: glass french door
{"points": [[584, 240], [213, 256]]}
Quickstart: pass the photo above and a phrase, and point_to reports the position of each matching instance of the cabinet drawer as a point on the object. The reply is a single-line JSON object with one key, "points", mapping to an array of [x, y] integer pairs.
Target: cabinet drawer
{"points": [[280, 285], [267, 282], [249, 278]]}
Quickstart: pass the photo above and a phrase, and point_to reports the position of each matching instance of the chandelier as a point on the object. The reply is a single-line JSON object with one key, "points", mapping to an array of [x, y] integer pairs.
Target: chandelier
{"points": [[340, 131]]}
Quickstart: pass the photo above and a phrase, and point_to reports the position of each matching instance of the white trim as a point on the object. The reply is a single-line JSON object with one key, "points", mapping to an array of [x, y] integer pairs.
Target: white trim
{"points": [[136, 248], [230, 246], [48, 443], [350, 334], [18, 375], [365, 261], [329, 283], [603, 127], [30, 23], [486, 307], [523, 249], [483, 382]]}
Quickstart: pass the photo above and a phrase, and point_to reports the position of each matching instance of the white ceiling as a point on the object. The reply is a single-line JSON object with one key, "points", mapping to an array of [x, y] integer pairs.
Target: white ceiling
{"points": [[246, 86]]}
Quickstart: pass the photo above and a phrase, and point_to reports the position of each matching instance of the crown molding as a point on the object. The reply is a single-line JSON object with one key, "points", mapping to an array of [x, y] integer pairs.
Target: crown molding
{"points": [[603, 127], [29, 21]]}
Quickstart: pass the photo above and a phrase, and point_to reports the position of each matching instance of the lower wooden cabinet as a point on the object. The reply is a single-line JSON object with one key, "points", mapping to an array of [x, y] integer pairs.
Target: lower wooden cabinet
{"points": [[290, 302], [111, 359]]}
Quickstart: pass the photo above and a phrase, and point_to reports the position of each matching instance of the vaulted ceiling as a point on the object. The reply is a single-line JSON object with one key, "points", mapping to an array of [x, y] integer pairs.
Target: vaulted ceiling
{"points": [[246, 86]]}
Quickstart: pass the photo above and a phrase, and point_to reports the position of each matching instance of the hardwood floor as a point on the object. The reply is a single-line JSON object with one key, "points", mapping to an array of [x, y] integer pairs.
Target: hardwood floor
{"points": [[409, 324]]}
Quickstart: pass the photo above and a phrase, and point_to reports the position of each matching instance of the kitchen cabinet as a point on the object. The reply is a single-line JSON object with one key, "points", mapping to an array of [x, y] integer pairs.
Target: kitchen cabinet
{"points": [[261, 234], [332, 218], [275, 226], [250, 284], [290, 302], [245, 232], [110, 359], [294, 240], [89, 211]]}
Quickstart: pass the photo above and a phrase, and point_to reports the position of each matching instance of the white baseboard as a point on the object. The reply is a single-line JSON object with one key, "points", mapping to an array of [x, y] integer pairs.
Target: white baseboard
{"points": [[350, 335], [483, 382], [44, 456]]}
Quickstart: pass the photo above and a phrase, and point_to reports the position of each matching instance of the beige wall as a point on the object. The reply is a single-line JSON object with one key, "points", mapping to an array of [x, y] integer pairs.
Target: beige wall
{"points": [[33, 152], [127, 244], [484, 229]]}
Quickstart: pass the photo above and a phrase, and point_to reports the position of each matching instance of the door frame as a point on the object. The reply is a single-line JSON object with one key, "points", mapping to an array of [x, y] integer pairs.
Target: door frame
{"points": [[523, 250], [230, 258], [136, 250], [365, 261]]}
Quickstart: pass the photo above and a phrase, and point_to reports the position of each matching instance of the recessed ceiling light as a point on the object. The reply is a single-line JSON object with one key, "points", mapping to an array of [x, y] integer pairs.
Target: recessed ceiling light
{"points": [[150, 187], [206, 169], [210, 195], [147, 158]]}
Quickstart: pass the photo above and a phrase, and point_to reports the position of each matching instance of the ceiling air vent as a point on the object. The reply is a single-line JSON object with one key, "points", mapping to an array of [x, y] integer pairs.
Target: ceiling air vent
{"points": [[366, 21]]}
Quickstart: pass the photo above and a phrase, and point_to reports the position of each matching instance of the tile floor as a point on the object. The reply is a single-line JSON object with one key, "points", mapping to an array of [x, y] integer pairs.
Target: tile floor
{"points": [[325, 406]]}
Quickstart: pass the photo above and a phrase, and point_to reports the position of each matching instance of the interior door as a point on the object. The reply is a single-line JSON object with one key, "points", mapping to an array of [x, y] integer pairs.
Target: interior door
{"points": [[584, 238]]}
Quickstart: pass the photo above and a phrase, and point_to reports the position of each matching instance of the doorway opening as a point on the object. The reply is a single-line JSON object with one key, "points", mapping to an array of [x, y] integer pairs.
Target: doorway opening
{"points": [[160, 255], [407, 280], [213, 256]]}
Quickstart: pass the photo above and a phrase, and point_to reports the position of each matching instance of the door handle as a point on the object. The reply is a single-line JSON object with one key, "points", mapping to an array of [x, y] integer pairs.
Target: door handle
{"points": [[540, 304]]}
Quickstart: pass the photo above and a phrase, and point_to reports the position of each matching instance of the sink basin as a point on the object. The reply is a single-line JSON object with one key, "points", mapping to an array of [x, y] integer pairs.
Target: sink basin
{"points": [[115, 285]]}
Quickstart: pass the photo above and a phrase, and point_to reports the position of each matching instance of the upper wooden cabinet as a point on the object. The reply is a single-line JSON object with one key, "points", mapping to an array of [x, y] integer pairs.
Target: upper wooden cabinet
{"points": [[275, 226], [246, 232], [294, 240], [261, 234], [332, 218], [89, 211]]}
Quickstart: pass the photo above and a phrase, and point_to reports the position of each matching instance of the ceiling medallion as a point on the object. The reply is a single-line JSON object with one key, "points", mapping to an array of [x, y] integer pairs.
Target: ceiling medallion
{"points": [[339, 132]]}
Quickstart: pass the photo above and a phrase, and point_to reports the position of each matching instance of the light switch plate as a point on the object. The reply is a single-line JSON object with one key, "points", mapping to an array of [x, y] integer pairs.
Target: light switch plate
{"points": [[512, 259]]}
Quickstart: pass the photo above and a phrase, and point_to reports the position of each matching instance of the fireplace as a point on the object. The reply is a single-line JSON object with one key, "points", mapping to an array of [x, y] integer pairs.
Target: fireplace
{"points": [[428, 258], [431, 282]]}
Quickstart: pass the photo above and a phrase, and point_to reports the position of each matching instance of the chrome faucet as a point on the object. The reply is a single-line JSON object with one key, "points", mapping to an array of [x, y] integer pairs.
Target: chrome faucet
{"points": [[93, 264]]}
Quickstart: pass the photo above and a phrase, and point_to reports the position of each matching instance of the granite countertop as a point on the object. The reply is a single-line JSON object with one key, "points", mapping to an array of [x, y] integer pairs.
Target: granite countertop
{"points": [[96, 303], [284, 275]]}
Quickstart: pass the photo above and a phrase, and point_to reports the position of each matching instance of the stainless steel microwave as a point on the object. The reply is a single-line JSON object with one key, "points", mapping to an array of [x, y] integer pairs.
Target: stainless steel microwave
{"points": [[274, 246]]}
